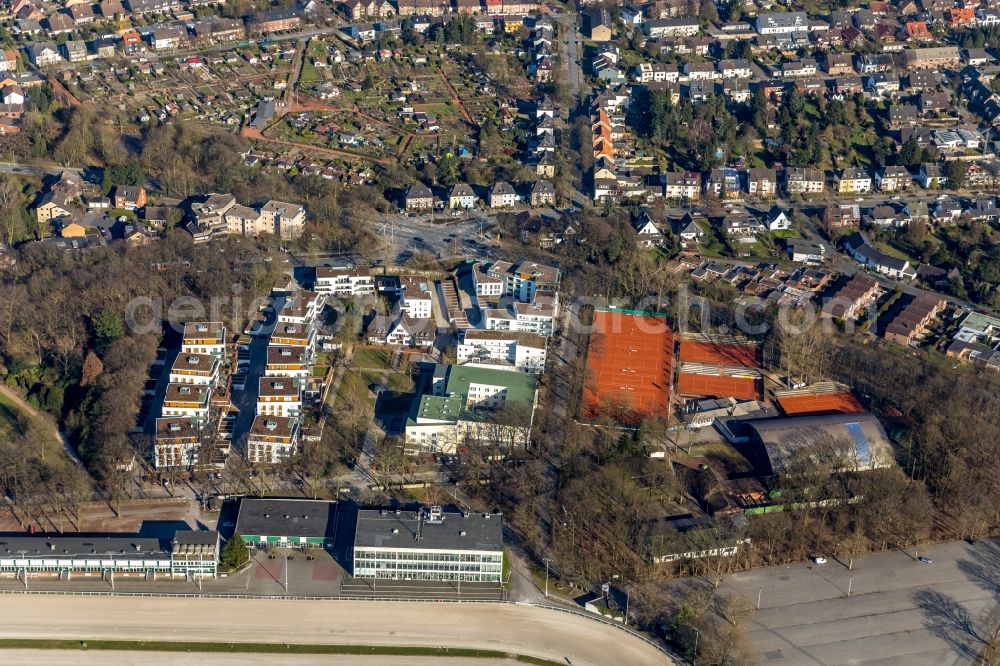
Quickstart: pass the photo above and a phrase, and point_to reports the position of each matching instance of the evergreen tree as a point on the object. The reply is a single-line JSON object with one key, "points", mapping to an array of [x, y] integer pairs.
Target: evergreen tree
{"points": [[235, 553]]}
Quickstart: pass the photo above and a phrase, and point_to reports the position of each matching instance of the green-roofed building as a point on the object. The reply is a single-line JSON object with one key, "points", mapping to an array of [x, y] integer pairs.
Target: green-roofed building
{"points": [[469, 403]]}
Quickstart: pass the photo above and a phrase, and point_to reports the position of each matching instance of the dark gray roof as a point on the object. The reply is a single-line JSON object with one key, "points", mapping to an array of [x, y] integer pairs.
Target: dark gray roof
{"points": [[458, 531], [849, 441], [196, 537], [77, 546], [286, 517]]}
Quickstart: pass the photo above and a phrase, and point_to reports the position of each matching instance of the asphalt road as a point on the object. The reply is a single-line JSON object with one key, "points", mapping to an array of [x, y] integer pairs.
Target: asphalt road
{"points": [[543, 633], [900, 612]]}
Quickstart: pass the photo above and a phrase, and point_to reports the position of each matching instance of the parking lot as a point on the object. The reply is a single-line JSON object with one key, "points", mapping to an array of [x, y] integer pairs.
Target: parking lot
{"points": [[900, 610]]}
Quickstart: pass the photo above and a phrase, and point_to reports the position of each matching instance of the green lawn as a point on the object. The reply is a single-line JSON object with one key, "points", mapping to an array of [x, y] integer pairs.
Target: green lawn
{"points": [[15, 422], [894, 251], [353, 384], [786, 233], [371, 358]]}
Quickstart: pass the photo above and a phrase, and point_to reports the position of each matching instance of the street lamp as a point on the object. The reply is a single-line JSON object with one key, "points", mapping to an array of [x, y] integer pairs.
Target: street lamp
{"points": [[546, 560], [694, 658], [22, 553], [628, 597]]}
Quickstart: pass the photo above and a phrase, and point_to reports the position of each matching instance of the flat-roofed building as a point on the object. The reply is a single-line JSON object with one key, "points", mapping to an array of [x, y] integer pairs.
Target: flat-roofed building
{"points": [[177, 442], [293, 335], [778, 23], [204, 337], [292, 523], [502, 350], [65, 556], [345, 281], [195, 369], [288, 361], [187, 400], [272, 439], [279, 396], [428, 544], [195, 554], [524, 278], [469, 403]]}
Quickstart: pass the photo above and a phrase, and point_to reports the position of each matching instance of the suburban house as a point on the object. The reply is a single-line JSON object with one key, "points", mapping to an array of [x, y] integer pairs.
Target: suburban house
{"points": [[418, 198], [893, 178], [800, 180], [462, 196], [129, 198], [866, 254], [854, 180], [543, 193], [503, 195]]}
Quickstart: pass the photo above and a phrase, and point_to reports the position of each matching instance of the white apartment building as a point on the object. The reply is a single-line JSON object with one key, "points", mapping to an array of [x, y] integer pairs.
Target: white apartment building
{"points": [[177, 442], [279, 396], [345, 281], [523, 279], [195, 369], [416, 296], [288, 361], [301, 308], [204, 337], [187, 400], [272, 439], [502, 349]]}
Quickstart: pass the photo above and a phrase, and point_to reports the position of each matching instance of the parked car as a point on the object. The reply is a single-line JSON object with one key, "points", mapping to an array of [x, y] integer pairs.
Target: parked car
{"points": [[818, 559]]}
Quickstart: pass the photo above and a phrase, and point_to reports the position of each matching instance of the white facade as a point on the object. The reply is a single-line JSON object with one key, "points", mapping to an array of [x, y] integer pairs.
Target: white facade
{"points": [[195, 369], [344, 281], [187, 400], [279, 396], [518, 351], [206, 337]]}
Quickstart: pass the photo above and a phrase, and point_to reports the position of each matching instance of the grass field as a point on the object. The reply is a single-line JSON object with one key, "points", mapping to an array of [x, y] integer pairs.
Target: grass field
{"points": [[14, 422], [371, 358], [267, 648]]}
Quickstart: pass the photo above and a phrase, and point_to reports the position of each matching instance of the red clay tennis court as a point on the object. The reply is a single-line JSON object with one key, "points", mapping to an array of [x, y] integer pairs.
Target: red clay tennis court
{"points": [[717, 353], [843, 403], [629, 364], [718, 386]]}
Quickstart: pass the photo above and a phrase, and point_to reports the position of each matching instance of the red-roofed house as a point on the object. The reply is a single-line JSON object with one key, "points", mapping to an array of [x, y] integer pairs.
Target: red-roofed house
{"points": [[959, 16], [917, 31]]}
